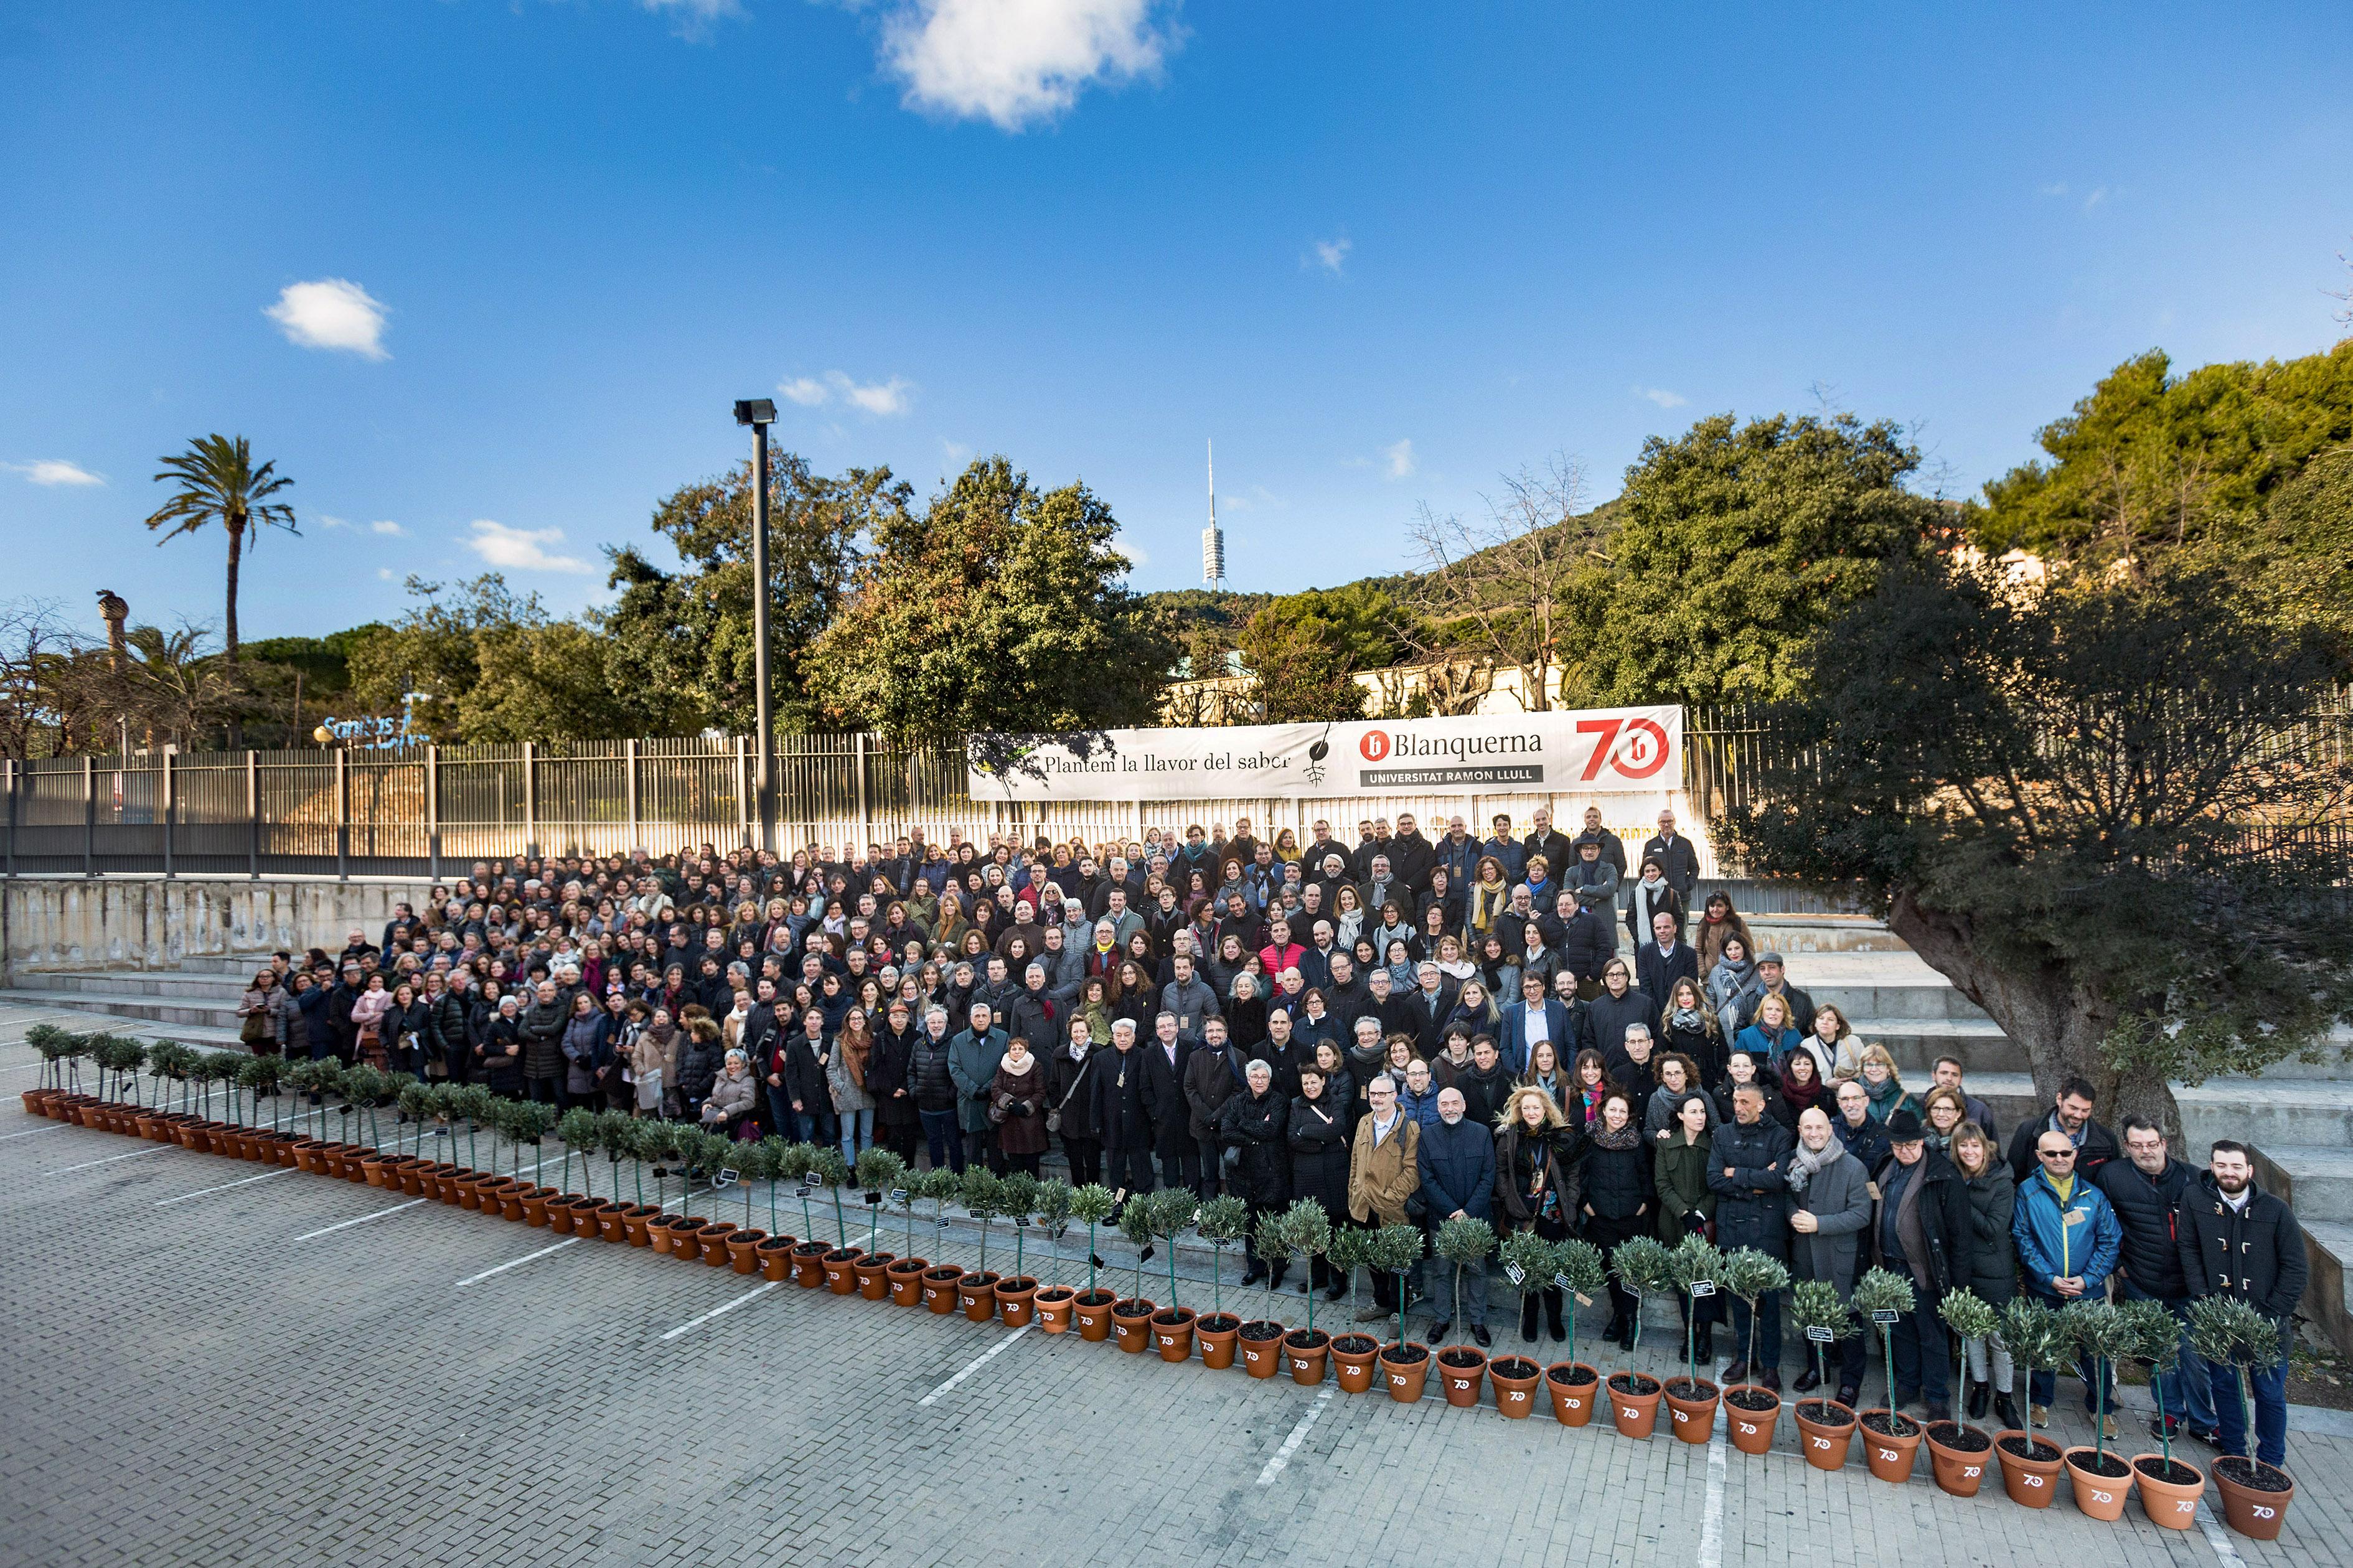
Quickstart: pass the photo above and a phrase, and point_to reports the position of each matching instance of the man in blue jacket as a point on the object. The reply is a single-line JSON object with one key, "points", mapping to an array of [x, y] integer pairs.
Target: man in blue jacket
{"points": [[1535, 1016], [1457, 1160], [2068, 1241]]}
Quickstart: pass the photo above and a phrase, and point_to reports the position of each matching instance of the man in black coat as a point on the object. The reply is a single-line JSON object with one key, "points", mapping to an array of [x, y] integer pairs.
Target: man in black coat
{"points": [[1618, 1008], [1924, 1234], [2071, 1112], [2239, 1240], [1584, 938], [1411, 855], [1121, 1119], [2146, 1189], [1433, 1004], [1165, 1061], [1553, 847], [1213, 1075], [1662, 960], [1677, 856], [1748, 1171]]}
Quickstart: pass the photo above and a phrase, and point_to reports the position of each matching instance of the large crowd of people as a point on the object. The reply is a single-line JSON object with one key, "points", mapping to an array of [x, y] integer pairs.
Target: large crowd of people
{"points": [[1407, 1029]]}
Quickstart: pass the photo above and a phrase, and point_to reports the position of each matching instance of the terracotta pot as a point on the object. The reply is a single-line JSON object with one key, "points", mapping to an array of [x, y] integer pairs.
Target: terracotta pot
{"points": [[1959, 1471], [1174, 1340], [661, 1232], [1693, 1420], [1515, 1392], [534, 1204], [1016, 1301], [743, 1250], [637, 1223], [1217, 1335], [2102, 1497], [1461, 1383], [686, 1238], [1306, 1362], [412, 1179], [841, 1270], [1131, 1322], [1261, 1357], [1094, 1316], [2251, 1511], [1891, 1458], [874, 1276], [976, 1295], [716, 1238], [1352, 1359], [808, 1265], [36, 1102], [373, 1166], [1572, 1402], [510, 1191], [1635, 1413], [2173, 1504], [610, 1225], [906, 1276], [470, 1195], [1404, 1379], [2031, 1482], [355, 1159], [1053, 1303], [306, 1151], [559, 1217], [939, 1289], [775, 1256], [452, 1183], [1751, 1430], [1824, 1442]]}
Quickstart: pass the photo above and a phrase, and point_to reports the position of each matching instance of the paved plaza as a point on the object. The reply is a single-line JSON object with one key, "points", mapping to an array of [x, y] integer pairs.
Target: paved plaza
{"points": [[217, 1363]]}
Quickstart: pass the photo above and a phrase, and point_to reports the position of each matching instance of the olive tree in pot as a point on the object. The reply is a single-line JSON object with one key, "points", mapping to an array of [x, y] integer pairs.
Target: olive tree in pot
{"points": [[1261, 1337], [1172, 1325], [1957, 1451], [1131, 1315], [1465, 1244], [2229, 1331], [1644, 1269], [1825, 1427], [1222, 1221], [1307, 1237], [1053, 1209], [1890, 1439], [576, 1130], [1405, 1363], [1580, 1273], [827, 1164], [1695, 1267], [1750, 1409], [939, 1283], [982, 1196], [261, 1076], [1017, 1293], [2038, 1341], [2169, 1489], [906, 1270], [1528, 1267], [2101, 1337], [1353, 1354], [1093, 1205]]}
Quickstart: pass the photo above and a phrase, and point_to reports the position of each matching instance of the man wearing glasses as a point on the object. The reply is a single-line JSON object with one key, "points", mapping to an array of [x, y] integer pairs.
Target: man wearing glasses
{"points": [[2068, 1240]]}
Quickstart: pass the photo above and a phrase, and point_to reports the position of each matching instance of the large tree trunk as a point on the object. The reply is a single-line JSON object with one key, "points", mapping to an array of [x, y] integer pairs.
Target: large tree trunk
{"points": [[228, 658], [2057, 1016]]}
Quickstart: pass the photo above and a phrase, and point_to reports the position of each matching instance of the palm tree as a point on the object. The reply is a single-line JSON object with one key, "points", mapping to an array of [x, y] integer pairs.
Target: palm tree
{"points": [[219, 483]]}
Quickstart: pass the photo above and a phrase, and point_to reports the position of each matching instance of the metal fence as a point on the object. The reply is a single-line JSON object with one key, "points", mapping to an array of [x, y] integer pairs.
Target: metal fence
{"points": [[429, 810]]}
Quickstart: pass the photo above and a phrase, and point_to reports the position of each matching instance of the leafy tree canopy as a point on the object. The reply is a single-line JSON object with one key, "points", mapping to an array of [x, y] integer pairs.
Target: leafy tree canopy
{"points": [[1303, 650]]}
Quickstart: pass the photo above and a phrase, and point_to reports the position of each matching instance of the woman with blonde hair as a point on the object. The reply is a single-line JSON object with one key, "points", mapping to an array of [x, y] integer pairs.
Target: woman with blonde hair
{"points": [[1773, 1035], [1536, 1185], [1490, 894], [1688, 1024], [1880, 1082]]}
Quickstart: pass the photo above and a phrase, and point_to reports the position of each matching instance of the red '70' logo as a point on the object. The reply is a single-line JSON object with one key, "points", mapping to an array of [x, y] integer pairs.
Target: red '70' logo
{"points": [[1633, 748]]}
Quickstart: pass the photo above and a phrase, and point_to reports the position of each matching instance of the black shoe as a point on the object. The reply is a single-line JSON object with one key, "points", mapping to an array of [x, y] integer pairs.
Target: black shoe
{"points": [[1807, 1380], [1848, 1395], [1438, 1333], [1335, 1293], [1978, 1394], [1771, 1378], [1481, 1337], [1276, 1282], [1614, 1332], [1736, 1372], [1703, 1347], [2005, 1410], [1257, 1273]]}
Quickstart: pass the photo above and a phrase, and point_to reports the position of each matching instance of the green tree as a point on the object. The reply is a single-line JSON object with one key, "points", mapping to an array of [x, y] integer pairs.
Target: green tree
{"points": [[1303, 650], [1734, 543], [999, 608], [217, 483], [2111, 810], [689, 632]]}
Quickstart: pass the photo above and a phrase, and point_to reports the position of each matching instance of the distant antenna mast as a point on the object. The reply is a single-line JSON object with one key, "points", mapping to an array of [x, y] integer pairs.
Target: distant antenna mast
{"points": [[1213, 538]]}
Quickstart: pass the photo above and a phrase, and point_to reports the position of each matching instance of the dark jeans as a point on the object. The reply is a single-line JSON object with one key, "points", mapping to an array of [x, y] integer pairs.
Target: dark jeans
{"points": [[1128, 1168], [1768, 1330], [2041, 1385], [1212, 1158], [945, 1138], [547, 1091], [1924, 1357], [1085, 1155], [2271, 1412], [1025, 1163], [2188, 1389], [900, 1138], [1182, 1170]]}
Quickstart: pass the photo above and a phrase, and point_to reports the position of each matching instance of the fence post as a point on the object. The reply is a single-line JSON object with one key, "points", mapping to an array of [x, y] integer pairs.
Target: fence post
{"points": [[433, 814], [743, 808], [630, 761], [253, 813], [529, 802], [342, 814], [865, 818], [165, 786], [14, 769], [88, 816]]}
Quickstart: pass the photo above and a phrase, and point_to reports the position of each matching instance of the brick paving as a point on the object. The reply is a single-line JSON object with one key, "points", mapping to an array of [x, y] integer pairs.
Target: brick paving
{"points": [[191, 1383]]}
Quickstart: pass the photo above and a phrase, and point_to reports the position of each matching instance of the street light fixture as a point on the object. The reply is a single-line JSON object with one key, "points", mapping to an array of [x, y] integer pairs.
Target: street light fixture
{"points": [[760, 412]]}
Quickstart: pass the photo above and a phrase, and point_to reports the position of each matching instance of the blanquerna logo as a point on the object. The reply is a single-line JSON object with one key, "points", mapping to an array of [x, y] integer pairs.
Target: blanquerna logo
{"points": [[1374, 746]]}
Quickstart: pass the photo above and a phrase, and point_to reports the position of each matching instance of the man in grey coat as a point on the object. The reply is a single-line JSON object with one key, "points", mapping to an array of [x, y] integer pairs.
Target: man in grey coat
{"points": [[972, 1058], [1832, 1195], [1189, 997]]}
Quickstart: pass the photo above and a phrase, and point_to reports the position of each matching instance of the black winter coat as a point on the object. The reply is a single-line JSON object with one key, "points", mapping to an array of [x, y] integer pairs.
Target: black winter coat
{"points": [[1318, 1137], [927, 1073], [1947, 1223], [1752, 1204], [886, 1073], [1614, 1183], [1258, 1126], [1606, 1017], [1070, 1086], [2148, 1214], [1121, 1120], [1164, 1098], [2257, 1255], [1993, 1255]]}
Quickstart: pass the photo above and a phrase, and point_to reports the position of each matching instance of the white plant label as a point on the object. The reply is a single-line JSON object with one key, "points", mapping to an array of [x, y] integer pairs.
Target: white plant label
{"points": [[899, 1197], [1821, 1333], [1702, 1287], [723, 1179], [1515, 1274], [1887, 1315]]}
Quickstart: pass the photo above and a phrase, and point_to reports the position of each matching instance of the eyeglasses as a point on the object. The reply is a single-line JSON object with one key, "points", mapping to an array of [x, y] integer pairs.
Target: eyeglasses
{"points": [[2056, 1153]]}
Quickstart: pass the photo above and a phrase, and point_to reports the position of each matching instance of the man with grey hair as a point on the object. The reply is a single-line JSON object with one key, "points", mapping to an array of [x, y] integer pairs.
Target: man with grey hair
{"points": [[1120, 1116], [1456, 1161], [1165, 1061]]}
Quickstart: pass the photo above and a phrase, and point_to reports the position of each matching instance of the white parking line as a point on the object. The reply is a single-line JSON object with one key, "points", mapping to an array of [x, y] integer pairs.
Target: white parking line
{"points": [[346, 1225], [526, 1258], [207, 1192], [982, 1360], [1298, 1435], [2215, 1537], [1711, 1525], [25, 1067], [109, 1160], [52, 1127], [722, 1311]]}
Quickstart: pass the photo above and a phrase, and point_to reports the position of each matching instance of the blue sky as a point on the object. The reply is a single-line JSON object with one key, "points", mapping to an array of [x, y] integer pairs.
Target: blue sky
{"points": [[485, 275]]}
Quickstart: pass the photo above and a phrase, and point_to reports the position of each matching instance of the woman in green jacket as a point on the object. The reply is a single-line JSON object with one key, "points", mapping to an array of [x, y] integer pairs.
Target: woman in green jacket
{"points": [[1687, 1206]]}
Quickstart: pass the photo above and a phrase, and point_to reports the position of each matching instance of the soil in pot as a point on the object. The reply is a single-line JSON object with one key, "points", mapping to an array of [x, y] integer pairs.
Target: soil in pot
{"points": [[873, 1275], [1958, 1456], [2169, 1490], [1634, 1402], [1690, 1409], [2254, 1496], [1514, 1379], [637, 1222], [808, 1267], [1216, 1334], [1404, 1370], [1306, 1351], [1016, 1299], [1891, 1443], [1825, 1431], [714, 1238], [976, 1294], [1131, 1323], [906, 1276], [841, 1271], [2102, 1481], [743, 1250], [776, 1256], [1461, 1369], [2030, 1468], [1572, 1386], [1352, 1360], [1092, 1309], [939, 1286], [1172, 1332], [1749, 1415], [1259, 1344]]}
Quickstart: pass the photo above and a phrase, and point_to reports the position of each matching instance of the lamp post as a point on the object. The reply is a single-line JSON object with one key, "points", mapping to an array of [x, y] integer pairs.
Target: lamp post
{"points": [[760, 412]]}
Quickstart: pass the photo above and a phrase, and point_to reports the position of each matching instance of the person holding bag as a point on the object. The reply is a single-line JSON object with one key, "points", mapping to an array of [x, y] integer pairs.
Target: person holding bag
{"points": [[1017, 1106]]}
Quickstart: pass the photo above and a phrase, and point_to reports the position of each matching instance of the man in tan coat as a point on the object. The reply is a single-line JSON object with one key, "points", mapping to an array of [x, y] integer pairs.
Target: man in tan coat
{"points": [[1384, 1173]]}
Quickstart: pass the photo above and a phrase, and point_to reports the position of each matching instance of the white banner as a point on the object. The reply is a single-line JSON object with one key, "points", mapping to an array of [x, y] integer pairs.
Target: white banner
{"points": [[1599, 750]]}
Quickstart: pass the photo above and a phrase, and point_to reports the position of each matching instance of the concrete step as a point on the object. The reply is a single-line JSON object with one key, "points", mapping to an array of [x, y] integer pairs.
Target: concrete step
{"points": [[162, 983], [2328, 1244], [1923, 1002], [2266, 1112], [1916, 1044], [179, 1012], [2316, 1180], [1823, 933]]}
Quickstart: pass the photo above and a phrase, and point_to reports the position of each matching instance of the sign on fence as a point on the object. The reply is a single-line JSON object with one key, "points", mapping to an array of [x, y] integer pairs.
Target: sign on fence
{"points": [[1596, 750]]}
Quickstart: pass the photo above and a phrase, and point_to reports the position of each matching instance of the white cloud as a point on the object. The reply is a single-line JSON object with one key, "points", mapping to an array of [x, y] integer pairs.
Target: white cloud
{"points": [[695, 17], [1662, 396], [875, 398], [521, 549], [325, 521], [2097, 197], [2057, 188], [331, 314], [54, 471], [1014, 62], [1397, 460], [384, 574], [1332, 254], [388, 527]]}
